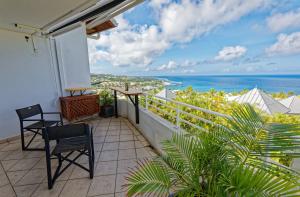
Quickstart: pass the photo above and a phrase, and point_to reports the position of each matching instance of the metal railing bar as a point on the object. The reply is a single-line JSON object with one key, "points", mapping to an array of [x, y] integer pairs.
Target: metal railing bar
{"points": [[192, 107], [193, 125]]}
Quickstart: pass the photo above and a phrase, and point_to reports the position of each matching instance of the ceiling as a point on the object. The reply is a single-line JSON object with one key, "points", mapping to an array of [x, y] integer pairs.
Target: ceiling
{"points": [[36, 13]]}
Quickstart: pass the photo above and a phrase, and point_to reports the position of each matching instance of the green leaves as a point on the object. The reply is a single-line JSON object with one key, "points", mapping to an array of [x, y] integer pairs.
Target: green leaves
{"points": [[226, 161], [149, 177], [249, 181]]}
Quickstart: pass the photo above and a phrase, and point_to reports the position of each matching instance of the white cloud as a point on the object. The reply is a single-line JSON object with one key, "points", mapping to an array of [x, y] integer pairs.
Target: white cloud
{"points": [[171, 65], [188, 71], [188, 63], [158, 3], [129, 45], [182, 21], [282, 21], [177, 22], [286, 44], [230, 53]]}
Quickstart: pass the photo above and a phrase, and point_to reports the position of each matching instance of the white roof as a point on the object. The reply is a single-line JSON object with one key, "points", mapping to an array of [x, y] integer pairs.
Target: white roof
{"points": [[262, 101], [165, 93], [293, 103]]}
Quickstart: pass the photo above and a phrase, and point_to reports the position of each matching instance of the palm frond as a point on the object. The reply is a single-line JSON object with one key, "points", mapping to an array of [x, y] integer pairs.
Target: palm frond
{"points": [[149, 177], [248, 181]]}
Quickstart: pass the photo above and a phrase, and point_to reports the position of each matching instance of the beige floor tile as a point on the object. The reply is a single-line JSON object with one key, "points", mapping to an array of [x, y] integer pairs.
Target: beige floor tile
{"points": [[106, 168], [120, 183], [79, 172], [98, 139], [85, 159], [24, 164], [25, 190], [3, 155], [41, 164], [110, 146], [105, 195], [64, 176], [15, 176], [98, 147], [125, 165], [32, 177], [43, 191], [1, 169], [127, 154], [126, 137], [3, 180], [113, 138], [76, 188], [120, 194], [11, 147], [8, 164], [35, 154], [143, 153], [15, 155], [112, 133], [126, 132], [108, 155], [7, 191], [100, 133], [126, 145], [102, 185], [138, 144]]}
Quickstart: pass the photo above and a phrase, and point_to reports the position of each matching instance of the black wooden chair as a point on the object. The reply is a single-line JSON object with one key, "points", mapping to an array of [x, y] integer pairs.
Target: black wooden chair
{"points": [[35, 117], [73, 138]]}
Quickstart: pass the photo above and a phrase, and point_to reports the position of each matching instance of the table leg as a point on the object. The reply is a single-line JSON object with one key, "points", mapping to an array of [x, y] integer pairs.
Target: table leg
{"points": [[136, 105], [116, 104]]}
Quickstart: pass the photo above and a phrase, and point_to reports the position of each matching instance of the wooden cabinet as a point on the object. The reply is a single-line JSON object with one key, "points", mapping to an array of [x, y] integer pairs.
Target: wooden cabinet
{"points": [[74, 107]]}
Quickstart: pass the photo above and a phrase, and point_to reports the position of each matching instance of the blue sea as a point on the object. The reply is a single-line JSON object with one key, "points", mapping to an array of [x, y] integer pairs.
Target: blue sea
{"points": [[233, 83]]}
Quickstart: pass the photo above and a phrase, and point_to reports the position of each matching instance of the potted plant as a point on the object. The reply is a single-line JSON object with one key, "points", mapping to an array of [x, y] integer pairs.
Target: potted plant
{"points": [[228, 160], [105, 102]]}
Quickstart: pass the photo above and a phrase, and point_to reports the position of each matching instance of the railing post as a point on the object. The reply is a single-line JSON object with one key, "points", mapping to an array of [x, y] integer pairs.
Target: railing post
{"points": [[177, 117], [146, 100]]}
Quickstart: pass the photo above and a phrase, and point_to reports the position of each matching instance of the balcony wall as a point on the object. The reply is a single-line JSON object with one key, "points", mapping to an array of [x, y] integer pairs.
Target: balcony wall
{"points": [[26, 78], [154, 128]]}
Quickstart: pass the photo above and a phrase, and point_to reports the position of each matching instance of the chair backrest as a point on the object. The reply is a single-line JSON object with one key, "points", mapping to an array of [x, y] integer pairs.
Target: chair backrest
{"points": [[67, 131], [30, 111]]}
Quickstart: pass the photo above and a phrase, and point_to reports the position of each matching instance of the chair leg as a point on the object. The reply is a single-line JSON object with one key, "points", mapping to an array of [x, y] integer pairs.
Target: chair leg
{"points": [[22, 139], [48, 162], [91, 162]]}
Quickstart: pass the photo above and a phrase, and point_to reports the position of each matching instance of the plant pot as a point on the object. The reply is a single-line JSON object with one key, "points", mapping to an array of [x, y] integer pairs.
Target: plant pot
{"points": [[106, 111]]}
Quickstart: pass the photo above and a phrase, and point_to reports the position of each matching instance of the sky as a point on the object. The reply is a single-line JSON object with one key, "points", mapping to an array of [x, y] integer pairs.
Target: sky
{"points": [[201, 37]]}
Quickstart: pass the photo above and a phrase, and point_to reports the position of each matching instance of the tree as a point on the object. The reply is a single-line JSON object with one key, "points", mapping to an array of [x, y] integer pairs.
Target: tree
{"points": [[226, 161]]}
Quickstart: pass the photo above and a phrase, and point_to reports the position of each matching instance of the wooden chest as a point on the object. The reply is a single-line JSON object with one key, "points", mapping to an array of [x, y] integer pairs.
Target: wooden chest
{"points": [[74, 107]]}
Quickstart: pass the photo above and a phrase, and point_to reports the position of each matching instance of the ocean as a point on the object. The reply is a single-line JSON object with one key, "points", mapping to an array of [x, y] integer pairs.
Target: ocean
{"points": [[234, 83]]}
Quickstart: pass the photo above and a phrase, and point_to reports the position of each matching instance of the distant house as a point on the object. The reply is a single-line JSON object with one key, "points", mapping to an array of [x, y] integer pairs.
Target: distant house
{"points": [[166, 93], [293, 103], [262, 101]]}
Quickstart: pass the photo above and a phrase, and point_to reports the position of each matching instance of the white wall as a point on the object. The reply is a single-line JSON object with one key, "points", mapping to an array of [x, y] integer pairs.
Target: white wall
{"points": [[73, 59], [154, 128], [26, 78]]}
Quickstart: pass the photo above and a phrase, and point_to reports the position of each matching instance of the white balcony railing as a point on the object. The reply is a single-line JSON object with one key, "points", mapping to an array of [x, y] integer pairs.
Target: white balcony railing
{"points": [[181, 114]]}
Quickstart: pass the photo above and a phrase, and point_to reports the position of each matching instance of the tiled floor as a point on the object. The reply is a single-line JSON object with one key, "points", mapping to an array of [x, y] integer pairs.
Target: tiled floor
{"points": [[118, 146]]}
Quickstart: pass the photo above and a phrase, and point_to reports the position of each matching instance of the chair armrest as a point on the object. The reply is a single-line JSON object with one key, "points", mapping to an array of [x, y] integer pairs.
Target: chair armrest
{"points": [[58, 113], [33, 120], [51, 113]]}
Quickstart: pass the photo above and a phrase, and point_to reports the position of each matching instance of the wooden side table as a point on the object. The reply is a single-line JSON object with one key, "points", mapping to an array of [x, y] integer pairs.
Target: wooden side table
{"points": [[74, 107]]}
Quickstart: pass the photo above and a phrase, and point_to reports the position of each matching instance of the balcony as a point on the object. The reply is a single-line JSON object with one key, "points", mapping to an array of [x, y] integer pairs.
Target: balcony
{"points": [[118, 145]]}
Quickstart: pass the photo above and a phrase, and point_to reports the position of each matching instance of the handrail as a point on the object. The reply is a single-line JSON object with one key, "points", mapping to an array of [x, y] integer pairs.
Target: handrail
{"points": [[191, 106], [179, 111]]}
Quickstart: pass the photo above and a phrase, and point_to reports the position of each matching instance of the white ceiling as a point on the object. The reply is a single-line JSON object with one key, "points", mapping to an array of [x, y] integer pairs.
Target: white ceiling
{"points": [[35, 13]]}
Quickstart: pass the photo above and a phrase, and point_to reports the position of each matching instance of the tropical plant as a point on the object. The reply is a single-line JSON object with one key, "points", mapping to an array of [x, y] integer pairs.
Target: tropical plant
{"points": [[105, 98], [226, 161]]}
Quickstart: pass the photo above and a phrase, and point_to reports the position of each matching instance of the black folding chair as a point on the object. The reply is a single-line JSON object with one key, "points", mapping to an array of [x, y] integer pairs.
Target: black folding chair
{"points": [[35, 115], [73, 138]]}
